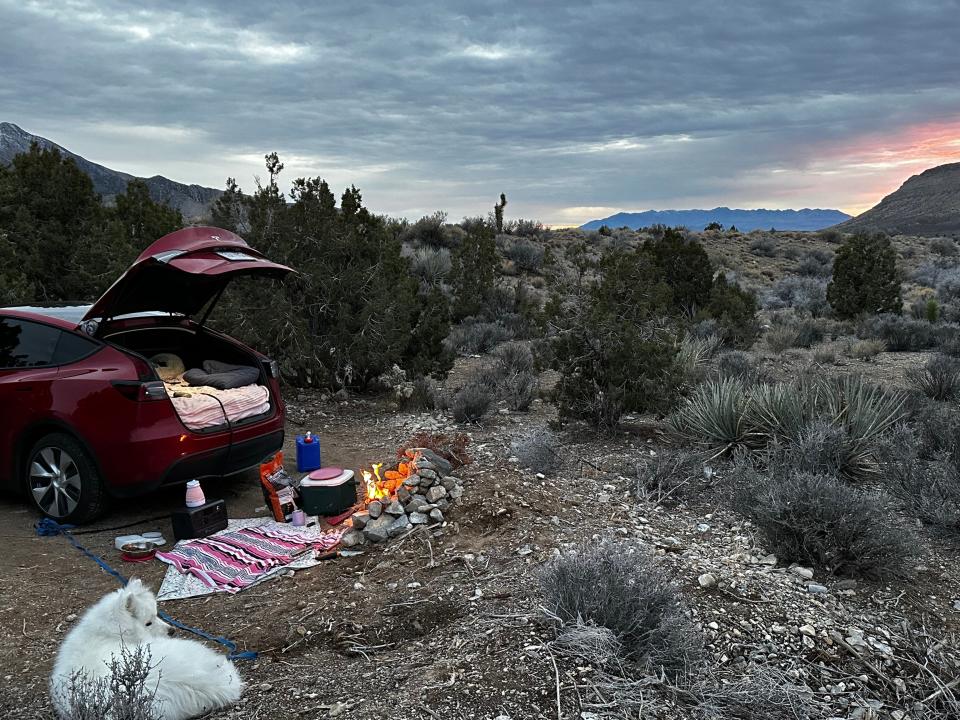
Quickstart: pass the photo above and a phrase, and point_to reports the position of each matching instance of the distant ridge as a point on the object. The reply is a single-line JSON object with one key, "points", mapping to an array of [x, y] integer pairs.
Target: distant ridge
{"points": [[927, 204], [193, 201], [745, 220]]}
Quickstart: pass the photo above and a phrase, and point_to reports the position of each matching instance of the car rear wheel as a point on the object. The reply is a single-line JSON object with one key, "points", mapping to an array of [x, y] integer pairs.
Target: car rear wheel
{"points": [[62, 481]]}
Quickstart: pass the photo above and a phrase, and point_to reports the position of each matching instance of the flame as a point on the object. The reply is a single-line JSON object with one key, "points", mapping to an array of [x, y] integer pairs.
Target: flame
{"points": [[376, 490]]}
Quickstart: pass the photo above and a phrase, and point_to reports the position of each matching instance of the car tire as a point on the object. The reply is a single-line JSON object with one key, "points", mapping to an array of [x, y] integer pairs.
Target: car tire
{"points": [[62, 480]]}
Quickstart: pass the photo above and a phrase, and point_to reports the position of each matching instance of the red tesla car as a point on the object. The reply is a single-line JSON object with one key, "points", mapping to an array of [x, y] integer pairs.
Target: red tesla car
{"points": [[84, 414]]}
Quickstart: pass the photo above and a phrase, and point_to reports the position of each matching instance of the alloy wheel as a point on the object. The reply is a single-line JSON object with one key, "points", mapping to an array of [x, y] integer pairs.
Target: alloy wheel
{"points": [[55, 482]]}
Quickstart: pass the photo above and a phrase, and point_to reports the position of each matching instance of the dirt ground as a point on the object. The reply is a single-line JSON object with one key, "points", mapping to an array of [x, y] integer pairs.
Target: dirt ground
{"points": [[448, 624]]}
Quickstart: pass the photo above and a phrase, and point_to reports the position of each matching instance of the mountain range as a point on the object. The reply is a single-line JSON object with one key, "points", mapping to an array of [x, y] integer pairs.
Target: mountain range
{"points": [[745, 220], [927, 204], [193, 201]]}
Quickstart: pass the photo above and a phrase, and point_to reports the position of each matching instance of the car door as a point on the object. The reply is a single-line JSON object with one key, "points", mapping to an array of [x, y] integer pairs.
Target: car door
{"points": [[27, 372]]}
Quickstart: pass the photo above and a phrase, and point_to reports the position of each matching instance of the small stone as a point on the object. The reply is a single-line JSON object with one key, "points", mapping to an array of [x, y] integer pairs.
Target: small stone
{"points": [[456, 492], [417, 504], [456, 480], [443, 503], [413, 585], [417, 518], [352, 538], [375, 509], [805, 573], [403, 495], [437, 492], [707, 580], [399, 526], [425, 464], [359, 520], [71, 617], [808, 630], [376, 530], [265, 687], [411, 481], [713, 625], [770, 560], [702, 527], [436, 515], [448, 483], [848, 584], [816, 589], [395, 509], [429, 474]]}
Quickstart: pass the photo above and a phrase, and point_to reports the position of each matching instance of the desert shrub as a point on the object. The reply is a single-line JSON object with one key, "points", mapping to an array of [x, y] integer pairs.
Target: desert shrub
{"points": [[738, 364], [538, 450], [705, 328], [526, 255], [518, 390], [899, 334], [948, 284], [524, 228], [818, 520], [630, 595], [428, 230], [764, 247], [472, 402], [824, 356], [781, 337], [930, 489], [944, 246], [670, 475], [925, 308], [806, 294], [609, 367], [430, 265], [938, 379], [937, 429], [865, 277], [834, 237], [767, 693], [866, 350], [123, 694], [513, 358], [476, 337], [821, 447], [816, 263], [422, 394]]}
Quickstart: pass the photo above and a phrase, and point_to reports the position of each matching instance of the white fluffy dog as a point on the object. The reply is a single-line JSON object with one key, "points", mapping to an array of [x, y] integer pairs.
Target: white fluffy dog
{"points": [[188, 678]]}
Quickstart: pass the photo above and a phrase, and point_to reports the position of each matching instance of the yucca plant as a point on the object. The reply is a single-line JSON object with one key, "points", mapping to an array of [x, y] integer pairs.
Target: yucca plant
{"points": [[693, 354], [781, 411], [715, 414]]}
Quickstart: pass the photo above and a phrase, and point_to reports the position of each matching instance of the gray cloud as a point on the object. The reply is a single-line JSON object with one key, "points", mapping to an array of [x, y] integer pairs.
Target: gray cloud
{"points": [[568, 107]]}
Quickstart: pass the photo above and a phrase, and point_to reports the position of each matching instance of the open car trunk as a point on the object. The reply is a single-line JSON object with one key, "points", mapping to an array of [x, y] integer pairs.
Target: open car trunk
{"points": [[201, 408]]}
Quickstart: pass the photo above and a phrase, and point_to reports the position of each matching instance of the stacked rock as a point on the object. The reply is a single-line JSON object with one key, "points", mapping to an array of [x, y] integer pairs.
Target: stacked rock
{"points": [[422, 499]]}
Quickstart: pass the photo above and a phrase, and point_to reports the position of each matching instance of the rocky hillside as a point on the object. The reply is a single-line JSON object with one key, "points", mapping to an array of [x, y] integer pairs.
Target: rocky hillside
{"points": [[745, 220], [193, 201], [927, 204]]}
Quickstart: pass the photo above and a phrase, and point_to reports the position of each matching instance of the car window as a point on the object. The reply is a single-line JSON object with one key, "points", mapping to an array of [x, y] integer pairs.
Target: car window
{"points": [[71, 347], [26, 344]]}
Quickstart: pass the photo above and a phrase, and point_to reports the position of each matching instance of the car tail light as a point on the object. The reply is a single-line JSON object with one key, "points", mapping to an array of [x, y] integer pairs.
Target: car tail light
{"points": [[141, 391]]}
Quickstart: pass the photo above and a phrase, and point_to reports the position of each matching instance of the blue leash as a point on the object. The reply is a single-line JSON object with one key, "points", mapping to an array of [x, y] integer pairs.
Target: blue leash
{"points": [[51, 528]]}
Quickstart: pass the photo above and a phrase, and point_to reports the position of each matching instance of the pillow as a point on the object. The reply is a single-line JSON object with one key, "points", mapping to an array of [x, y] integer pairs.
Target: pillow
{"points": [[222, 376], [168, 366]]}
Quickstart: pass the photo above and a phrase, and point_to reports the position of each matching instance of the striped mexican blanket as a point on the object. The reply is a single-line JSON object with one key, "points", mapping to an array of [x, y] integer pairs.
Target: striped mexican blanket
{"points": [[231, 560]]}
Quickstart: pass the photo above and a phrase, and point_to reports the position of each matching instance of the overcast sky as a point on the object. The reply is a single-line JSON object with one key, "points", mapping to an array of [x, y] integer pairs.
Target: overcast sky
{"points": [[575, 110]]}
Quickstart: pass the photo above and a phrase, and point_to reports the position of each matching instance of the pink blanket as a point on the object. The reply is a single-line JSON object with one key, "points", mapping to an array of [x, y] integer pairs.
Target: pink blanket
{"points": [[202, 409]]}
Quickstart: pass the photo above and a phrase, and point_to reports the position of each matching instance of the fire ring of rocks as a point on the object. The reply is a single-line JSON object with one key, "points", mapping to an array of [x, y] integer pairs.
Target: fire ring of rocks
{"points": [[417, 491]]}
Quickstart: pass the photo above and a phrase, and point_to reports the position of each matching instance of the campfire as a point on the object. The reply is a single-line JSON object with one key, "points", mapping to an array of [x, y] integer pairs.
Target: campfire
{"points": [[417, 490], [381, 487]]}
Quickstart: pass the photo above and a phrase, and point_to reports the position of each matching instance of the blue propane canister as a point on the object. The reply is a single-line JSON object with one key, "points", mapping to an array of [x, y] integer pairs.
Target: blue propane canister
{"points": [[308, 452]]}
